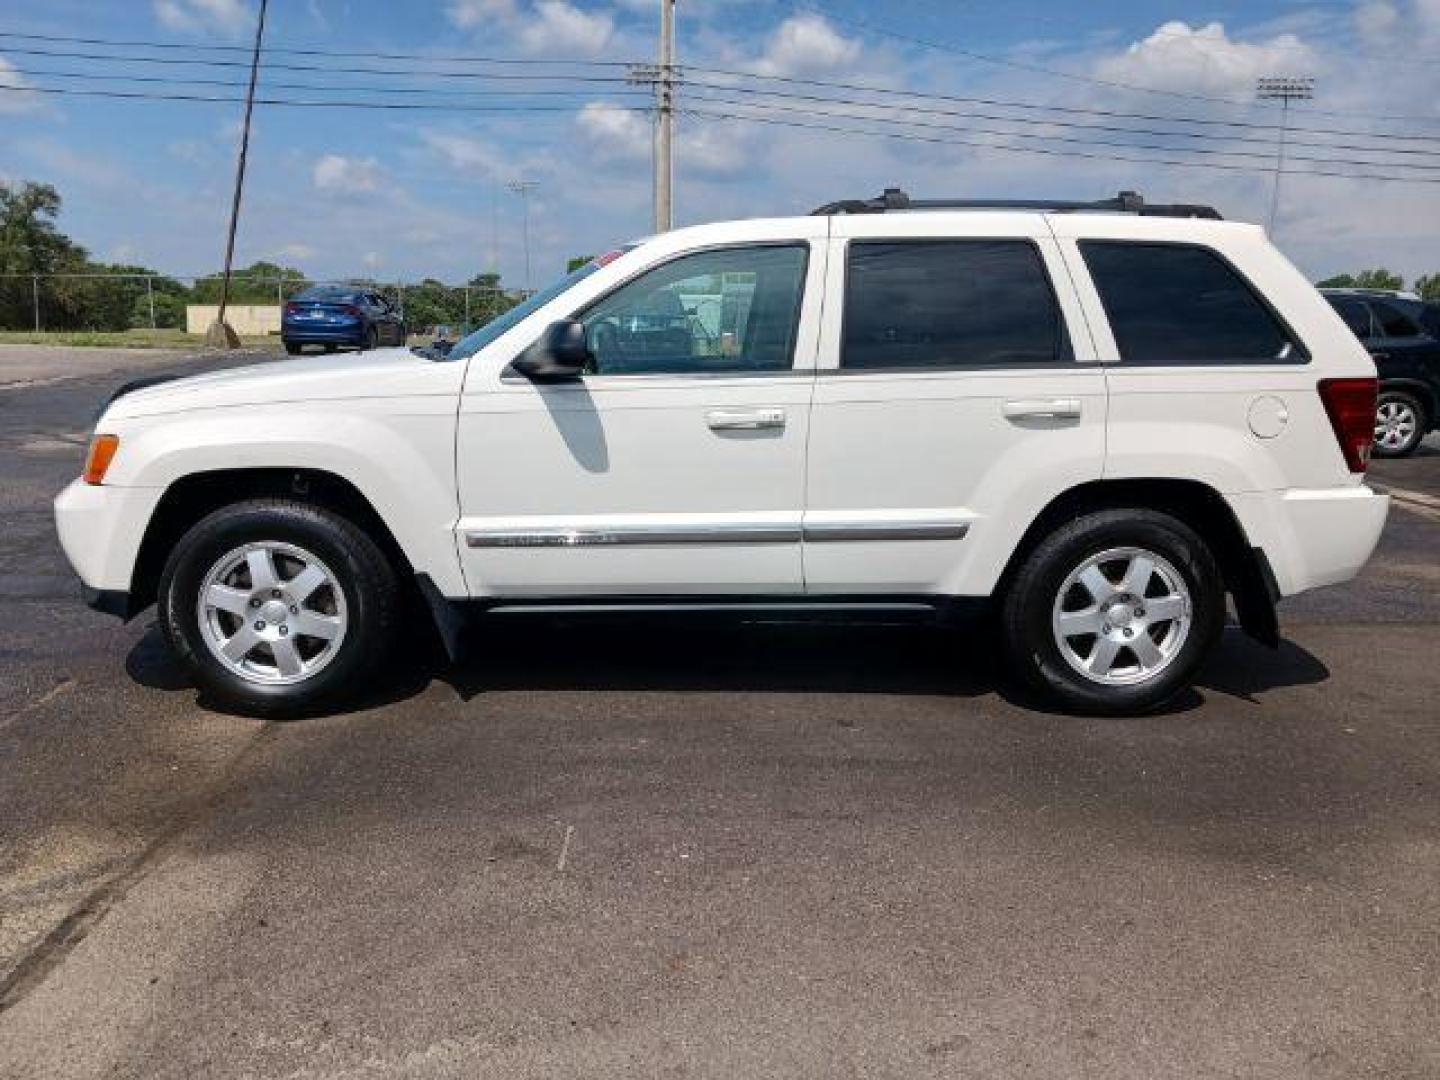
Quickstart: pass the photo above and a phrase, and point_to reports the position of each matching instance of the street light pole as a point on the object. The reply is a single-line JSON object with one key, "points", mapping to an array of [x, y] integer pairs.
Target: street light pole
{"points": [[1283, 89], [523, 188], [220, 332], [665, 119]]}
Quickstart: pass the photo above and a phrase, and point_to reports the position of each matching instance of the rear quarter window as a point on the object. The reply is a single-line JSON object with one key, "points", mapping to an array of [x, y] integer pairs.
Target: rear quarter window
{"points": [[1183, 304]]}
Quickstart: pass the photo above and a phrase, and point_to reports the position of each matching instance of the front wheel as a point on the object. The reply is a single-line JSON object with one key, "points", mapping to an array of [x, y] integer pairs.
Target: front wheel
{"points": [[1114, 612], [277, 606], [1400, 423]]}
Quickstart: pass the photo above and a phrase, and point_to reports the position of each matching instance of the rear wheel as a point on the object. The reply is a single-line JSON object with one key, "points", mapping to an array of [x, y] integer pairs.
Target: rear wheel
{"points": [[293, 348], [276, 606], [1400, 423], [1114, 612], [372, 338]]}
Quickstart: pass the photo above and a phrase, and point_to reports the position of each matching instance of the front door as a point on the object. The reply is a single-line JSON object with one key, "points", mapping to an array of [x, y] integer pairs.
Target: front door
{"points": [[676, 465]]}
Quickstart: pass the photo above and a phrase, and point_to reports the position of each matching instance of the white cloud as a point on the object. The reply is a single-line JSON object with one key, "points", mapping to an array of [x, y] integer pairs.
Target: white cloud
{"points": [[463, 151], [1205, 60], [371, 260], [807, 45], [476, 14], [559, 27], [352, 176], [225, 16], [295, 251], [612, 133], [15, 99]]}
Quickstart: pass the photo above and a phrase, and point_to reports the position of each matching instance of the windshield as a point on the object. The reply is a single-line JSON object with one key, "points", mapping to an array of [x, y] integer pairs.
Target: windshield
{"points": [[473, 343]]}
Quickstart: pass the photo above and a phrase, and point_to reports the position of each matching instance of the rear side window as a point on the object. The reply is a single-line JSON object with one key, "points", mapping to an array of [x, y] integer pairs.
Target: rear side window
{"points": [[1182, 304], [1393, 322], [949, 304]]}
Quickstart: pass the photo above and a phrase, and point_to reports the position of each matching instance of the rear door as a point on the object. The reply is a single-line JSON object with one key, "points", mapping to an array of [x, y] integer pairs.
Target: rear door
{"points": [[956, 395]]}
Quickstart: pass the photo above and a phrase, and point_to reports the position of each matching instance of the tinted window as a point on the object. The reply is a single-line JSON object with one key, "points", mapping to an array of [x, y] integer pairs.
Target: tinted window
{"points": [[1392, 321], [949, 303], [330, 293], [734, 309], [1179, 304], [1354, 312]]}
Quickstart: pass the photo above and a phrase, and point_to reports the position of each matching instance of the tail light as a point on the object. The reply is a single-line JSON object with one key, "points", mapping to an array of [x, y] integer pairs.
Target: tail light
{"points": [[351, 309], [97, 461], [291, 307], [1350, 404]]}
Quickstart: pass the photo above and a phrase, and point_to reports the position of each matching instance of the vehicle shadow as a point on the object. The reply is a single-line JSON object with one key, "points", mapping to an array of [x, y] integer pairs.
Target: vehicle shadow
{"points": [[669, 655]]}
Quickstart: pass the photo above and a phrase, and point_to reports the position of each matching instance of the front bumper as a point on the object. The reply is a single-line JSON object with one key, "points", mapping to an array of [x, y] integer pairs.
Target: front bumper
{"points": [[1313, 537], [101, 528]]}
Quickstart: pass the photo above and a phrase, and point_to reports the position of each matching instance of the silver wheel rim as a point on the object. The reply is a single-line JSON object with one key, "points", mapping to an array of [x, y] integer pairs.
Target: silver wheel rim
{"points": [[272, 613], [1395, 424], [1122, 616]]}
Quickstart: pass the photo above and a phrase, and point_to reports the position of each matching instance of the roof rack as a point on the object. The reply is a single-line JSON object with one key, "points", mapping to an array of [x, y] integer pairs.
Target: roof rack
{"points": [[1127, 202]]}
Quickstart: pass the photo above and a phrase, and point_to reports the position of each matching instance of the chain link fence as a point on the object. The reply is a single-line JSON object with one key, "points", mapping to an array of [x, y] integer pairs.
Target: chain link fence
{"points": [[119, 302]]}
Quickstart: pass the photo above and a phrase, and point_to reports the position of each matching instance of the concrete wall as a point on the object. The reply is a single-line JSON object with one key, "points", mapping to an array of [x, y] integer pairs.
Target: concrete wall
{"points": [[243, 318]]}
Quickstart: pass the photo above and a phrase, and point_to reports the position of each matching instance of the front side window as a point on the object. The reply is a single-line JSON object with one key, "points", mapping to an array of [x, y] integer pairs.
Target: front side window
{"points": [[727, 310], [949, 304], [1183, 304]]}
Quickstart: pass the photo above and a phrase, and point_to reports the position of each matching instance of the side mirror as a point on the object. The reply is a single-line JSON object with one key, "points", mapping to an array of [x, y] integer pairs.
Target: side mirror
{"points": [[561, 353]]}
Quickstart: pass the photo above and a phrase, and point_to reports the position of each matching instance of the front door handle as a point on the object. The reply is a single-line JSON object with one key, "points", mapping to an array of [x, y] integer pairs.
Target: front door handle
{"points": [[744, 419], [1047, 408]]}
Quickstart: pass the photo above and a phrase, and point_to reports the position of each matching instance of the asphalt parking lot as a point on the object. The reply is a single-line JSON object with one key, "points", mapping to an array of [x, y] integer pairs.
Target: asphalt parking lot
{"points": [[744, 851]]}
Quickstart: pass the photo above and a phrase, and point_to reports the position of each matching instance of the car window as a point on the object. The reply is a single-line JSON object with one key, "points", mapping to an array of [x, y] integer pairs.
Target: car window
{"points": [[1184, 304], [1392, 321], [1355, 313], [731, 309], [948, 304]]}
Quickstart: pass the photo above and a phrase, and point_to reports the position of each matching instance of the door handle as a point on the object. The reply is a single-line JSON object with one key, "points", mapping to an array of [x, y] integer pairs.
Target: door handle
{"points": [[744, 419], [1048, 408]]}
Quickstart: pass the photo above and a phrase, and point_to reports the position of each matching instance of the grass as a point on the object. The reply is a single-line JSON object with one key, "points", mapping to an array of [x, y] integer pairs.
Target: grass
{"points": [[122, 339]]}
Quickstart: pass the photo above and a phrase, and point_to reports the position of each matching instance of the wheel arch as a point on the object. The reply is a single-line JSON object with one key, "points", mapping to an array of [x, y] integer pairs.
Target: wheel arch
{"points": [[1429, 397], [1248, 576], [191, 497]]}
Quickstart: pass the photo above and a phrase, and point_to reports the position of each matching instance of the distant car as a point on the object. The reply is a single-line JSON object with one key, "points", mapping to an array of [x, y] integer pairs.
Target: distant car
{"points": [[1403, 336], [336, 315]]}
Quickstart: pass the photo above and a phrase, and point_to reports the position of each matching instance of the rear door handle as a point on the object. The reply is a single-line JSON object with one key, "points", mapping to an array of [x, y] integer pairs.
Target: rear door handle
{"points": [[1047, 408], [744, 419]]}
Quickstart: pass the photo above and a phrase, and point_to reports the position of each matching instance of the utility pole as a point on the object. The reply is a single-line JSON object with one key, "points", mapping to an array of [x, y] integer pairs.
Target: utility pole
{"points": [[661, 77], [220, 332], [523, 188], [1284, 89]]}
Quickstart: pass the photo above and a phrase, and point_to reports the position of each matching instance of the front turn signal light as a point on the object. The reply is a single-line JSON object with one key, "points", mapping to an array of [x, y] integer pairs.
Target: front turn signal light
{"points": [[97, 461]]}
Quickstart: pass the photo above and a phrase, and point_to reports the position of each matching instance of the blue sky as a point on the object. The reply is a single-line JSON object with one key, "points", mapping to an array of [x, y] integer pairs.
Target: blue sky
{"points": [[400, 194]]}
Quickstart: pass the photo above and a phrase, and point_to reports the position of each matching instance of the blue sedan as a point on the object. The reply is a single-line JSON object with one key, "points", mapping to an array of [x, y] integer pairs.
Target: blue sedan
{"points": [[336, 315]]}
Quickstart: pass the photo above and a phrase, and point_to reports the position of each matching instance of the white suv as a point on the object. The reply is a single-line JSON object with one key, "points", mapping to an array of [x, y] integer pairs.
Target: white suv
{"points": [[1101, 418]]}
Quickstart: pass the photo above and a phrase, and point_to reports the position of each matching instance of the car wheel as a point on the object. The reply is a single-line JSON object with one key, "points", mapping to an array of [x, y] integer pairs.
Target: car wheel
{"points": [[1114, 612], [1400, 423], [293, 348], [276, 607], [372, 338]]}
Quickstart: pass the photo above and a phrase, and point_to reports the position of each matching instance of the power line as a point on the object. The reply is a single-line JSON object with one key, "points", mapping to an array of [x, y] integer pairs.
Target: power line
{"points": [[1039, 69], [1052, 108], [277, 50], [1211, 151], [908, 136], [1051, 122], [138, 95]]}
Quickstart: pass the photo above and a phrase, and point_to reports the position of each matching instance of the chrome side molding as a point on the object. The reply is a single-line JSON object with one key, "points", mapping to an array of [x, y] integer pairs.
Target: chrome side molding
{"points": [[718, 533]]}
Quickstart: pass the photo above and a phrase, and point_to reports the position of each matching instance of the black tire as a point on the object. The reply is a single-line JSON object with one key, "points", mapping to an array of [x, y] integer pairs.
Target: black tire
{"points": [[293, 348], [372, 597], [1029, 604], [1396, 402], [372, 339]]}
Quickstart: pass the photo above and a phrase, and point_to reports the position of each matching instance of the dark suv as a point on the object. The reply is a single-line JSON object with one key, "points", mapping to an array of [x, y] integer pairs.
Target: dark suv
{"points": [[334, 315], [1403, 335]]}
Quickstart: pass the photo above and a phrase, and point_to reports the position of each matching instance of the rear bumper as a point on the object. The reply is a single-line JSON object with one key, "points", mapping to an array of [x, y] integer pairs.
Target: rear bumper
{"points": [[100, 531], [352, 334], [1313, 537]]}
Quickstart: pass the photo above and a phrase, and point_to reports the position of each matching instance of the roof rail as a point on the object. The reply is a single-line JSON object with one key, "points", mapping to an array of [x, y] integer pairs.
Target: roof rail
{"points": [[1127, 202]]}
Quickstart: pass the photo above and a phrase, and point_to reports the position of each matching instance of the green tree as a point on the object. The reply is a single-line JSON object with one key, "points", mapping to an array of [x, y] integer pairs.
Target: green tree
{"points": [[31, 243], [1339, 281], [576, 262], [1428, 286], [259, 283], [1379, 278]]}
